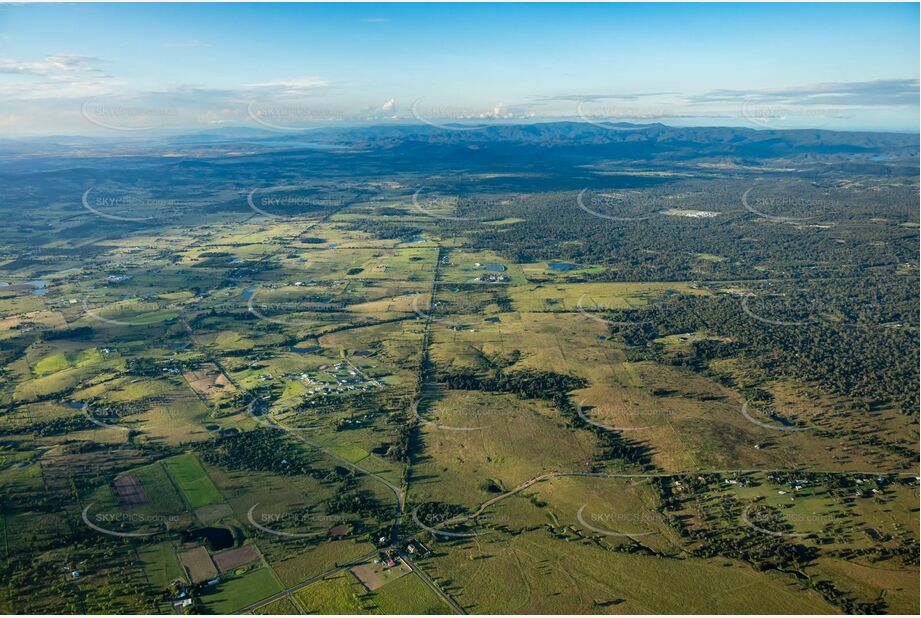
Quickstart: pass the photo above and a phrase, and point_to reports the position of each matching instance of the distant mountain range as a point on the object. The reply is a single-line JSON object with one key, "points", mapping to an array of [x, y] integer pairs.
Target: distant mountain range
{"points": [[530, 145]]}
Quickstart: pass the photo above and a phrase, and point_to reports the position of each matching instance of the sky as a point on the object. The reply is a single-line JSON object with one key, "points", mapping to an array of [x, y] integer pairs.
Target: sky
{"points": [[112, 69]]}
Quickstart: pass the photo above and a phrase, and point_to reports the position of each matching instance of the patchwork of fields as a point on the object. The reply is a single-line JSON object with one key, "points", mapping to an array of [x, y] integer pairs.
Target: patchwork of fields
{"points": [[375, 408]]}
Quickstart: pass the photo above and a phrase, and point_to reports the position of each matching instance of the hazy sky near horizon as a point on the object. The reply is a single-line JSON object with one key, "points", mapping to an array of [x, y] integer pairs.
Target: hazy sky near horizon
{"points": [[98, 69]]}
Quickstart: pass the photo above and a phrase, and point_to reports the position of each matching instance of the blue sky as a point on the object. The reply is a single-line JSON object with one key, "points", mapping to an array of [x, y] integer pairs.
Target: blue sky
{"points": [[97, 68]]}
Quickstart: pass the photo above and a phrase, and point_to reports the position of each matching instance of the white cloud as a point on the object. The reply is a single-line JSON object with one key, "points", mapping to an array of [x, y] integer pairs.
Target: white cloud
{"points": [[52, 65], [292, 86], [882, 92]]}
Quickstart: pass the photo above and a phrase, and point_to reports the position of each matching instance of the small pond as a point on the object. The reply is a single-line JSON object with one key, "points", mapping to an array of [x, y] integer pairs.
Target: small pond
{"points": [[215, 538]]}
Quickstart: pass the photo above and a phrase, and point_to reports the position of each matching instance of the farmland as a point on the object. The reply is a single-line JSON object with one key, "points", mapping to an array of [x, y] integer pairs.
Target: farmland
{"points": [[524, 407]]}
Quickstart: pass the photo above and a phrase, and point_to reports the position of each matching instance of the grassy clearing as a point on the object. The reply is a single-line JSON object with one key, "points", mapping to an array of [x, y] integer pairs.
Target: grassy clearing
{"points": [[51, 364], [161, 564], [343, 594], [281, 607], [237, 591], [160, 491], [514, 440], [349, 453], [594, 296], [192, 480], [533, 572]]}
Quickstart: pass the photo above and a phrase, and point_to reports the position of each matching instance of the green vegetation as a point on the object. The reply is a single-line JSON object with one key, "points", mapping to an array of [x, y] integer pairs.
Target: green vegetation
{"points": [[192, 480], [561, 412]]}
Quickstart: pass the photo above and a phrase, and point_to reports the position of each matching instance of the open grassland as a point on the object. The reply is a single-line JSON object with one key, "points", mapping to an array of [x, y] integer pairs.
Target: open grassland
{"points": [[478, 444], [236, 591], [202, 341], [593, 297], [535, 572], [192, 480], [343, 594]]}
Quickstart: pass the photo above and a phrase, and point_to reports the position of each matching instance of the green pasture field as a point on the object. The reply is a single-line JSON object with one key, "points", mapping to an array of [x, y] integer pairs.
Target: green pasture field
{"points": [[595, 297], [159, 489], [341, 593], [237, 591], [474, 440], [281, 607], [189, 475], [534, 572], [161, 564]]}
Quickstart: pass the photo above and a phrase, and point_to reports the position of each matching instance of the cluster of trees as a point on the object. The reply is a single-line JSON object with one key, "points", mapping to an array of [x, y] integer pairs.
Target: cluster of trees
{"points": [[150, 367], [55, 427], [527, 384], [358, 501], [386, 230], [260, 450], [871, 361], [669, 248]]}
